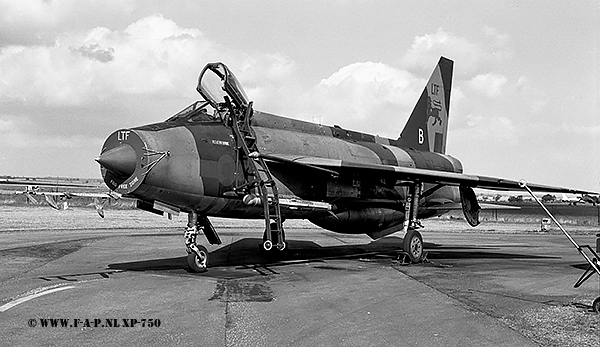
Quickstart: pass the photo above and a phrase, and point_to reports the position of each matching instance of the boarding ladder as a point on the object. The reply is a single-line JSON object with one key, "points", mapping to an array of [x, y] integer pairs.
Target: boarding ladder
{"points": [[255, 175], [586, 251]]}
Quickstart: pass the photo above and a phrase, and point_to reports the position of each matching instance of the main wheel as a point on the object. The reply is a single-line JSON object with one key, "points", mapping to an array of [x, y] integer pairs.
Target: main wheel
{"points": [[596, 305], [413, 245], [198, 264]]}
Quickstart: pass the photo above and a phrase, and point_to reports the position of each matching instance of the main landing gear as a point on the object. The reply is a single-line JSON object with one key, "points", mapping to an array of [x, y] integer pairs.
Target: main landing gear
{"points": [[197, 258], [413, 241]]}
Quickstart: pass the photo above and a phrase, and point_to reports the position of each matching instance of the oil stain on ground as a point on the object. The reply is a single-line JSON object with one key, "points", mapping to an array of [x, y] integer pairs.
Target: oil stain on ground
{"points": [[242, 291], [48, 251]]}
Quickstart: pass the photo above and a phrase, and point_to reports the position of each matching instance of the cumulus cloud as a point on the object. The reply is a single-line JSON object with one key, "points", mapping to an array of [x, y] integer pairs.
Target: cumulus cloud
{"points": [[472, 55], [73, 70], [490, 129], [498, 44], [156, 28], [67, 94], [498, 38], [430, 47], [370, 97], [489, 84], [40, 22], [269, 80], [534, 97], [23, 22], [95, 52], [76, 91], [152, 56]]}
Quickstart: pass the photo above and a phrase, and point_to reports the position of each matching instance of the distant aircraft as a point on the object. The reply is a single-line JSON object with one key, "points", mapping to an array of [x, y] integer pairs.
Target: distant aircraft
{"points": [[586, 198], [57, 200], [572, 200], [220, 157]]}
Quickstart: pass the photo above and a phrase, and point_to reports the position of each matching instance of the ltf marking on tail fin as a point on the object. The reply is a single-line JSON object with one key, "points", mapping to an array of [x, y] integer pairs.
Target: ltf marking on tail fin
{"points": [[427, 125]]}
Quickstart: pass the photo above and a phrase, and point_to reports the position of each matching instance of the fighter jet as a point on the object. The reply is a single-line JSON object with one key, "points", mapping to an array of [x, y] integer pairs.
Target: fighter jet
{"points": [[220, 157]]}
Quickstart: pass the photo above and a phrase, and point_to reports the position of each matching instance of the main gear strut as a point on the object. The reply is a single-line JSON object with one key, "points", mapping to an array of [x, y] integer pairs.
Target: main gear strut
{"points": [[413, 241]]}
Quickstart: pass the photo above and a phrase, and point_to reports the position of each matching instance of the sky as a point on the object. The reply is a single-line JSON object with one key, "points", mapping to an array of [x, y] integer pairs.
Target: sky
{"points": [[525, 96]]}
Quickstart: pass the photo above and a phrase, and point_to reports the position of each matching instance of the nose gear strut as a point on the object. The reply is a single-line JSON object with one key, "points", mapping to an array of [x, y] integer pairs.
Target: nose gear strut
{"points": [[197, 258]]}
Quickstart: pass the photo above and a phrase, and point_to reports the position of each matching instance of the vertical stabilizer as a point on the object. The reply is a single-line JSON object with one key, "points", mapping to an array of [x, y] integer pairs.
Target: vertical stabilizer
{"points": [[427, 125]]}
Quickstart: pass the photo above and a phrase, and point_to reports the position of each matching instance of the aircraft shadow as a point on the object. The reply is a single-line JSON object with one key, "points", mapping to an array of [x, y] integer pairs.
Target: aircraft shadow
{"points": [[246, 254]]}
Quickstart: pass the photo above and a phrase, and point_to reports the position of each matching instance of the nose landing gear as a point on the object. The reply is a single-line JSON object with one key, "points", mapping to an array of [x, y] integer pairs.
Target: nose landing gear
{"points": [[197, 258]]}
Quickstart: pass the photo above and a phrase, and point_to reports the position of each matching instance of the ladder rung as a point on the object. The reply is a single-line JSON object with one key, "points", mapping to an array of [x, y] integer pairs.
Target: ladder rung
{"points": [[255, 169]]}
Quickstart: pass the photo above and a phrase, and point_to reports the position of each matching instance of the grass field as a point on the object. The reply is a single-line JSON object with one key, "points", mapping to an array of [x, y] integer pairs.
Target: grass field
{"points": [[580, 215]]}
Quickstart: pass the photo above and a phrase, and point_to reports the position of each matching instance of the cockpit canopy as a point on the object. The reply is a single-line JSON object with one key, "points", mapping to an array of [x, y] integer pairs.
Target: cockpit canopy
{"points": [[199, 111], [216, 82]]}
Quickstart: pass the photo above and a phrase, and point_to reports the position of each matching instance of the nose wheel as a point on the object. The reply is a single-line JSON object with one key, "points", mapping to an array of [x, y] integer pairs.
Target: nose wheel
{"points": [[197, 260]]}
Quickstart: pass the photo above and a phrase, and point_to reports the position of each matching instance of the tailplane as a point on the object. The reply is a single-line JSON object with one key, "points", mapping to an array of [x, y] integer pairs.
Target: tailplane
{"points": [[427, 125]]}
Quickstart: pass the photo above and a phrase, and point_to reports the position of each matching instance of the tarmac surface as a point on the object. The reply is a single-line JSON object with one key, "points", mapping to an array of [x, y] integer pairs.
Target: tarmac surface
{"points": [[326, 289]]}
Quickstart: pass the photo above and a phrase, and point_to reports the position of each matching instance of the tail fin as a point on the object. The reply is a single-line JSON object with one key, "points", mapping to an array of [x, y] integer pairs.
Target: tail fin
{"points": [[427, 125]]}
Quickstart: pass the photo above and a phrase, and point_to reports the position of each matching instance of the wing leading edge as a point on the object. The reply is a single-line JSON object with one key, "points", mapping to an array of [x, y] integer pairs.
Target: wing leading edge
{"points": [[339, 167]]}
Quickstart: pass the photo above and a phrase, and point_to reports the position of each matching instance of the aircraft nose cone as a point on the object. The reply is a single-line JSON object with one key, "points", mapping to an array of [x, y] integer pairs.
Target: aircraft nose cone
{"points": [[120, 159]]}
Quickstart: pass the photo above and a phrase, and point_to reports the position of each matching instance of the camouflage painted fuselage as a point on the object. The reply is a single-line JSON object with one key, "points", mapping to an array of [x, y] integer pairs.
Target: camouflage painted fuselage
{"points": [[197, 171]]}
